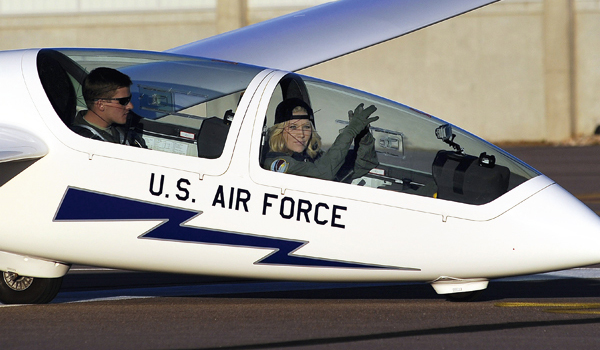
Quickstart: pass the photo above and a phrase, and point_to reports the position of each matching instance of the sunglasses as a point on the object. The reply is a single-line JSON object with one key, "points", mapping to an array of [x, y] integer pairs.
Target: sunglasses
{"points": [[123, 101]]}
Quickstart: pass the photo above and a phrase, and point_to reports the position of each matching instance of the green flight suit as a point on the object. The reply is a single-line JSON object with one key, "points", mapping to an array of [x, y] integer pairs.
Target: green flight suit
{"points": [[114, 133], [327, 164]]}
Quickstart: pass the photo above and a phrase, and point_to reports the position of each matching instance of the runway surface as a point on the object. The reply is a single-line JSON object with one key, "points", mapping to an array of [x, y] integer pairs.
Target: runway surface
{"points": [[120, 310], [108, 309]]}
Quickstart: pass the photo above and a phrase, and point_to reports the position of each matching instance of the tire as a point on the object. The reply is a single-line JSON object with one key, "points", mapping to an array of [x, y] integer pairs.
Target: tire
{"points": [[16, 289]]}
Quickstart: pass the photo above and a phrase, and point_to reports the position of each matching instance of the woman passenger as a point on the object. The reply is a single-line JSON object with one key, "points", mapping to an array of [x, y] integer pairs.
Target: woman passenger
{"points": [[295, 145]]}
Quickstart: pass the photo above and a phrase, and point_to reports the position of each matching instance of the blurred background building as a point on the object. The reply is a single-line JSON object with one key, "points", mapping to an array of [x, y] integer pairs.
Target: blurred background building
{"points": [[514, 71]]}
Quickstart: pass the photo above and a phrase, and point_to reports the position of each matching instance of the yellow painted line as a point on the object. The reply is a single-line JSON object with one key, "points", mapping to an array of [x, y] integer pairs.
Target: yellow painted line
{"points": [[520, 304], [559, 308], [589, 197]]}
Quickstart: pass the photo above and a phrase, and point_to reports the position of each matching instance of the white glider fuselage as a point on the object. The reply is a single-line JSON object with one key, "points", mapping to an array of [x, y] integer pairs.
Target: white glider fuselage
{"points": [[84, 201]]}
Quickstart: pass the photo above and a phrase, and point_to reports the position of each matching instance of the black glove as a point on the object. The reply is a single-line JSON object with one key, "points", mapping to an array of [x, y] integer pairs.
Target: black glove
{"points": [[359, 119], [364, 138]]}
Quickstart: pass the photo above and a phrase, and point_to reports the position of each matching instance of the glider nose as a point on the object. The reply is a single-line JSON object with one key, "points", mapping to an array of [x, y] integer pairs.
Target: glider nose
{"points": [[556, 230]]}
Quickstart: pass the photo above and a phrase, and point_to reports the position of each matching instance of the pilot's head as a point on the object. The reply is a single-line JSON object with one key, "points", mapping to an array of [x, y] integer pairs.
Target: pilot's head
{"points": [[290, 108], [294, 129], [107, 94]]}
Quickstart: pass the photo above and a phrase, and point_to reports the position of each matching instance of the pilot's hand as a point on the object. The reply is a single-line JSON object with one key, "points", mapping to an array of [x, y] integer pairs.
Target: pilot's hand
{"points": [[359, 119]]}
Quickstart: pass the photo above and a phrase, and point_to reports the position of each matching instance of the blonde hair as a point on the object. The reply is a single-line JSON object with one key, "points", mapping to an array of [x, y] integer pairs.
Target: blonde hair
{"points": [[277, 142]]}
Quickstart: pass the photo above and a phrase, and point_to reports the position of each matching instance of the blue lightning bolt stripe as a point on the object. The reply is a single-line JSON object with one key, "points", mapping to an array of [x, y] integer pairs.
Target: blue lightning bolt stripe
{"points": [[81, 205]]}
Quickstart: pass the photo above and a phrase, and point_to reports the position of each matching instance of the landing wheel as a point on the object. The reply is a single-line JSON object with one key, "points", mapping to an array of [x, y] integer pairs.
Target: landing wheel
{"points": [[17, 289], [464, 296]]}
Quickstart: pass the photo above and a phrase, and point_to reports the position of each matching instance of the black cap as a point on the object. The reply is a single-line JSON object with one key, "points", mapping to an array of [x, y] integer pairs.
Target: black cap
{"points": [[284, 110]]}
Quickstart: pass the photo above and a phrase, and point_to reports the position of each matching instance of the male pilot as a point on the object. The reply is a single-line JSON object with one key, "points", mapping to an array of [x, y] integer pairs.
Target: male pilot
{"points": [[108, 98]]}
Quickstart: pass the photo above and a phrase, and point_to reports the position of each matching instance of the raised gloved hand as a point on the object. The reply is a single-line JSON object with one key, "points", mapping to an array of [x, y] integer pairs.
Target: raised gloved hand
{"points": [[364, 138], [359, 119]]}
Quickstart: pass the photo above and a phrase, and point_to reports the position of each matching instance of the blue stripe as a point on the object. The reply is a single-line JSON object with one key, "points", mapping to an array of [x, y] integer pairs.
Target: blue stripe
{"points": [[81, 205]]}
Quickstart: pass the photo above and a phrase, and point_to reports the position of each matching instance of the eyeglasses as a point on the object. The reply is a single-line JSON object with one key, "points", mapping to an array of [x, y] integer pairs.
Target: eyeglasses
{"points": [[123, 101]]}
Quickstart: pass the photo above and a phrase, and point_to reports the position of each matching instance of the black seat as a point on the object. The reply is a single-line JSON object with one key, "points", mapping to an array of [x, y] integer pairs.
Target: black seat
{"points": [[57, 84], [211, 137]]}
